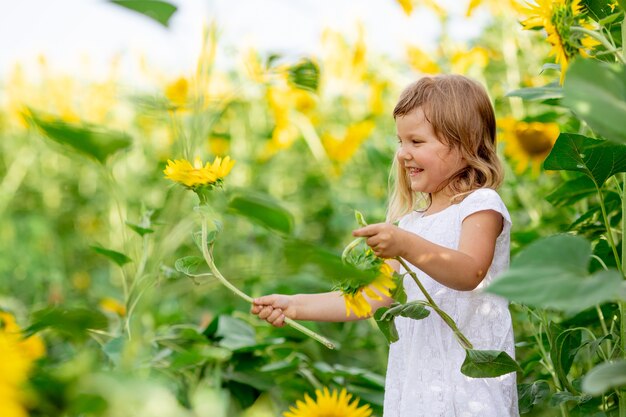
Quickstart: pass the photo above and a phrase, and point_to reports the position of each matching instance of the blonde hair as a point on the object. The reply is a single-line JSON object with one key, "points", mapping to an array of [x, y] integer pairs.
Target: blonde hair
{"points": [[463, 118]]}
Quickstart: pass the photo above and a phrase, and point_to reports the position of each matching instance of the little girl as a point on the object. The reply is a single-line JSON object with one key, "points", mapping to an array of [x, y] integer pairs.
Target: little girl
{"points": [[457, 243]]}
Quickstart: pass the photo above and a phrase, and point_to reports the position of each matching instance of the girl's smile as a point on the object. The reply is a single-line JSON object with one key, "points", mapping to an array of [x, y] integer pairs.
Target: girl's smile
{"points": [[427, 161]]}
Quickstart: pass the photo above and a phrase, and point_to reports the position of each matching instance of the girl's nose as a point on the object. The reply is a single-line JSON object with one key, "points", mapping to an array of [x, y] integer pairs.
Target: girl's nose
{"points": [[402, 154]]}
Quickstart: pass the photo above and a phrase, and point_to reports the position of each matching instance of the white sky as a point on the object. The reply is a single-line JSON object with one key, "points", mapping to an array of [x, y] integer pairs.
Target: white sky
{"points": [[70, 32]]}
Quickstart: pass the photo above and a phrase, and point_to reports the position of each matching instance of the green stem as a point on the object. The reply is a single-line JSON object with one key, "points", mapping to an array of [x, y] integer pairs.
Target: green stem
{"points": [[609, 234], [622, 304], [465, 343], [217, 274], [599, 37]]}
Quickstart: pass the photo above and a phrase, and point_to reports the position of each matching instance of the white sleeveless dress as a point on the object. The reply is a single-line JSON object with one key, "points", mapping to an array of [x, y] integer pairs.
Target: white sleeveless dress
{"points": [[423, 373]]}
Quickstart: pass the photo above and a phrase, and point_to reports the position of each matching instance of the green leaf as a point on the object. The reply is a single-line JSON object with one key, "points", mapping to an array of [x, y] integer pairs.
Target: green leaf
{"points": [[234, 334], [597, 9], [605, 377], [549, 251], [117, 257], [531, 395], [549, 91], [301, 255], [552, 273], [71, 322], [565, 396], [158, 10], [487, 363], [386, 325], [596, 92], [93, 141], [572, 191], [414, 310], [557, 288], [113, 349], [189, 264], [563, 351], [264, 211], [598, 159], [305, 75], [141, 231]]}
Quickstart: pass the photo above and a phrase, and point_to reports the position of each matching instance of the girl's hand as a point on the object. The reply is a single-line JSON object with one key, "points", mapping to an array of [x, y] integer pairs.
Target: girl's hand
{"points": [[386, 240], [274, 308]]}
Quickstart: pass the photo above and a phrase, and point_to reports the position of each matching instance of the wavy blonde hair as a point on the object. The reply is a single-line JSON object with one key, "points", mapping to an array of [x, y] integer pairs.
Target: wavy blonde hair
{"points": [[463, 118]]}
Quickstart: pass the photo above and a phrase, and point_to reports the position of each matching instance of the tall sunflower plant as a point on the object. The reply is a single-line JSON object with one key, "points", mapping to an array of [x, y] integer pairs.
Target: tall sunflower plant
{"points": [[204, 179], [386, 282], [588, 40]]}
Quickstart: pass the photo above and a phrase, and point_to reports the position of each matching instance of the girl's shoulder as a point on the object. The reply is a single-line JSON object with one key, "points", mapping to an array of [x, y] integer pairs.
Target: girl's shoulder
{"points": [[483, 199]]}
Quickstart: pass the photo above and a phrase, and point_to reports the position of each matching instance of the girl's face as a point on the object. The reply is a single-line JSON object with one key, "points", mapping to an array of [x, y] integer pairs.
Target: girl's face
{"points": [[427, 162]]}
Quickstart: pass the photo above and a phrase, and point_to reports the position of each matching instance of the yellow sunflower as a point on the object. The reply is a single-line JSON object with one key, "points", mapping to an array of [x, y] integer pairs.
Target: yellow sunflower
{"points": [[177, 92], [527, 143], [329, 404], [383, 283], [18, 354], [196, 175], [221, 167], [341, 149], [557, 17]]}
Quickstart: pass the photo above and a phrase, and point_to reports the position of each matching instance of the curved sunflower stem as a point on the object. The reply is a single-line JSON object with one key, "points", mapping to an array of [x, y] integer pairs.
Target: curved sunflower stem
{"points": [[463, 341], [217, 274], [600, 38]]}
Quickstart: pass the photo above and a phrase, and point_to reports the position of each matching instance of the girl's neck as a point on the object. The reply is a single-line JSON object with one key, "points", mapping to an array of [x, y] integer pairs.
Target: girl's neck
{"points": [[439, 201]]}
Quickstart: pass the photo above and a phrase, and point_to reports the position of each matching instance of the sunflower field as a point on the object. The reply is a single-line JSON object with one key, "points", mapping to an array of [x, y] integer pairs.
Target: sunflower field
{"points": [[137, 224]]}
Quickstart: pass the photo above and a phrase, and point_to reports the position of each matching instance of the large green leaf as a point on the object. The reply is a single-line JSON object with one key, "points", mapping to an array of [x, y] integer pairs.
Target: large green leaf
{"points": [[604, 377], [158, 10], [93, 141], [596, 92], [598, 159], [71, 322], [263, 210], [532, 394], [572, 191], [563, 351], [487, 363], [549, 91], [301, 255], [552, 273]]}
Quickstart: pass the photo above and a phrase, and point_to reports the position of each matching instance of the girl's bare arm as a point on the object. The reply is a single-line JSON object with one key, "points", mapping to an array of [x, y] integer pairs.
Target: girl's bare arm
{"points": [[328, 306], [461, 269]]}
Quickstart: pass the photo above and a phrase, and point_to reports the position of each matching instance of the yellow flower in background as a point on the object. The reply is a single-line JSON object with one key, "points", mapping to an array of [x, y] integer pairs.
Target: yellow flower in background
{"points": [[497, 7], [282, 101], [407, 6], [421, 61], [463, 60], [221, 167], [342, 61], [113, 306], [342, 149], [527, 143], [197, 175], [329, 404], [18, 354], [557, 17], [177, 92], [383, 283]]}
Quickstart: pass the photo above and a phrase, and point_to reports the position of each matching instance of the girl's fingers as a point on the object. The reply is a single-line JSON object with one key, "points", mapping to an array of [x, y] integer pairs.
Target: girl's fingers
{"points": [[274, 315], [280, 321], [265, 300], [265, 312]]}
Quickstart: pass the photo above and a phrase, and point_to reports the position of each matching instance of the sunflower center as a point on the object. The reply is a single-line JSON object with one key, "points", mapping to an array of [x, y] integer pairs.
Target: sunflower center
{"points": [[535, 138]]}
